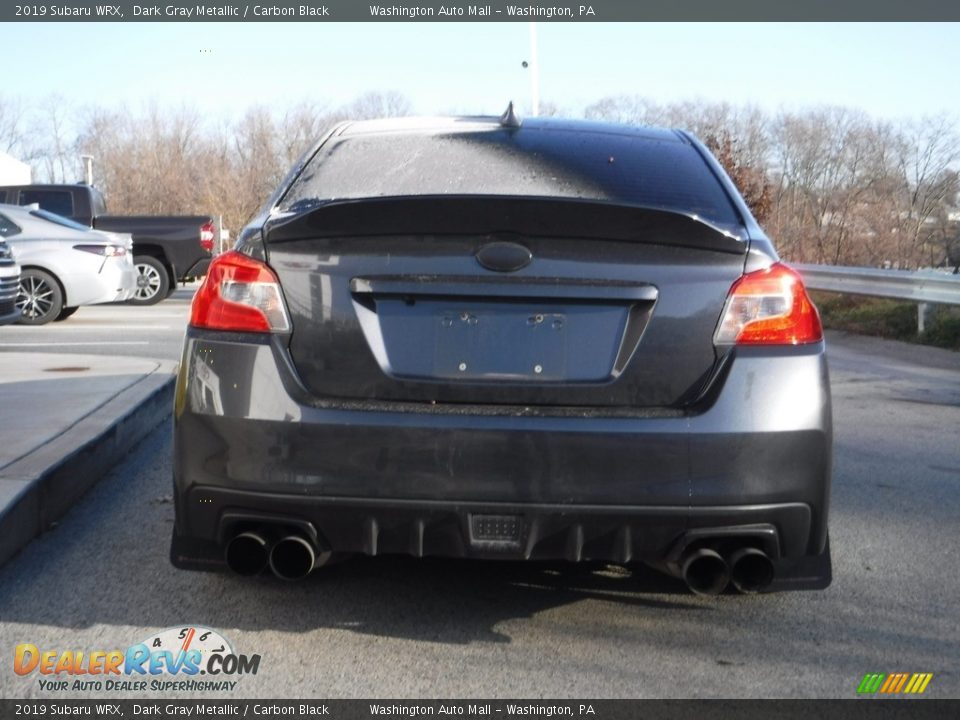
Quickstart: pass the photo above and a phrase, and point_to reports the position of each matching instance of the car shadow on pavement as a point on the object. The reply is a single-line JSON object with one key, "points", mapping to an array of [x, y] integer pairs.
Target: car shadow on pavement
{"points": [[436, 600]]}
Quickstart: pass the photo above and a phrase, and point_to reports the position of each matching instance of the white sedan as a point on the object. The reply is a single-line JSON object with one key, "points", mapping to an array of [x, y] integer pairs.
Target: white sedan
{"points": [[65, 264]]}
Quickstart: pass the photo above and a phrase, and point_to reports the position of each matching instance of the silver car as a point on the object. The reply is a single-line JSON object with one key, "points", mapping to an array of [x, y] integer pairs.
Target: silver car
{"points": [[65, 264], [9, 285]]}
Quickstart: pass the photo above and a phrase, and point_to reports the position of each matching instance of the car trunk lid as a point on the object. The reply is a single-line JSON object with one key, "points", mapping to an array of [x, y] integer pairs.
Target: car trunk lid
{"points": [[508, 301]]}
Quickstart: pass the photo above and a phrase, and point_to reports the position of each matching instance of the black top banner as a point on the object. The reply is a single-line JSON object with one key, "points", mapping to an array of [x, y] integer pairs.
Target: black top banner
{"points": [[496, 11]]}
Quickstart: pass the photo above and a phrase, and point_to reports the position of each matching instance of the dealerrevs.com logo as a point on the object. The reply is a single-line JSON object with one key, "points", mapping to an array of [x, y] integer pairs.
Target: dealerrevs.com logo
{"points": [[178, 659]]}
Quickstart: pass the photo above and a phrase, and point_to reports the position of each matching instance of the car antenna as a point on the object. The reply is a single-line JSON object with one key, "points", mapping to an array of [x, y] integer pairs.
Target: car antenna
{"points": [[510, 118]]}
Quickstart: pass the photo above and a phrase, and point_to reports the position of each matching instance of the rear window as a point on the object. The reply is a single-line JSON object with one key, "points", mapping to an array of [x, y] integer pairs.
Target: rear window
{"points": [[626, 169], [8, 228], [56, 201]]}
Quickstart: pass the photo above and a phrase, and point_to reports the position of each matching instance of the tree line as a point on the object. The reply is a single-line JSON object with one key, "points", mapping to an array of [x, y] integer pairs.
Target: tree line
{"points": [[830, 185]]}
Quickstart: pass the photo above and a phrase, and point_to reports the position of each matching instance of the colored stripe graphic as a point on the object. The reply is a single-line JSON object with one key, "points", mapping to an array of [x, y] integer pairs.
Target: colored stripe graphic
{"points": [[891, 681], [901, 682], [894, 684], [871, 683], [915, 680]]}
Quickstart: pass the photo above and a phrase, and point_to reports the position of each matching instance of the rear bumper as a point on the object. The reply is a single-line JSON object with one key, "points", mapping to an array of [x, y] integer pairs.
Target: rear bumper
{"points": [[121, 279], [100, 281], [577, 484], [9, 288], [619, 534]]}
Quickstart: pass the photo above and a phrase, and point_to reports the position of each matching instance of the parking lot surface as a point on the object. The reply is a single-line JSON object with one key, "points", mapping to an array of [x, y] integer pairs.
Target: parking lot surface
{"points": [[154, 332]]}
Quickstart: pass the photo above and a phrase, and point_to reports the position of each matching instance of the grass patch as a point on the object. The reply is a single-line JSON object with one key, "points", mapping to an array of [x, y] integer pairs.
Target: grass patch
{"points": [[891, 319]]}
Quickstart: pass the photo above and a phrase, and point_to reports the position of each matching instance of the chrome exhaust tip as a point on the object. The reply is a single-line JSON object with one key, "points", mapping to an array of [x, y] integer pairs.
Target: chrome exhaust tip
{"points": [[751, 570], [705, 572], [294, 557], [247, 553]]}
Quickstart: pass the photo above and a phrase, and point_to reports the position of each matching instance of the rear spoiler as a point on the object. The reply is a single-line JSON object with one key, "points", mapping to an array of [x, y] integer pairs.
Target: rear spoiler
{"points": [[499, 215]]}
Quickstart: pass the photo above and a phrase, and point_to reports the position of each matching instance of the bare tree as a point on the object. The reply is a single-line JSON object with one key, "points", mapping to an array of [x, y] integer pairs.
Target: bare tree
{"points": [[831, 164], [148, 162], [548, 108], [373, 105], [300, 127], [11, 125], [59, 154], [627, 109], [929, 154]]}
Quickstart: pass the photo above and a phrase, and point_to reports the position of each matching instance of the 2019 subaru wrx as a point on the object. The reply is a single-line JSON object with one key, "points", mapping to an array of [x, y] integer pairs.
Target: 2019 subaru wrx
{"points": [[489, 338]]}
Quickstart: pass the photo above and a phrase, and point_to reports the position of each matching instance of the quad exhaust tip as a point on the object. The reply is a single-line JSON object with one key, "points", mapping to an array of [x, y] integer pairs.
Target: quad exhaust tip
{"points": [[751, 570], [705, 572], [293, 557], [247, 553]]}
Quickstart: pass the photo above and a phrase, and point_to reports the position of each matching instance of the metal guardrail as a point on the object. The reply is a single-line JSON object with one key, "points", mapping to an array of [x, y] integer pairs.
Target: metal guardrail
{"points": [[925, 288], [920, 287]]}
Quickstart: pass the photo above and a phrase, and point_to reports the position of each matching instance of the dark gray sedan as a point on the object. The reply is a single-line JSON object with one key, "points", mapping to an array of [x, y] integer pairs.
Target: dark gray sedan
{"points": [[488, 338]]}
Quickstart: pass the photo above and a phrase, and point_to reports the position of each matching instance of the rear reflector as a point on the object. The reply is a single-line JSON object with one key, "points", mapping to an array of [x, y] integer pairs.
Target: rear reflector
{"points": [[239, 294], [206, 236], [769, 307]]}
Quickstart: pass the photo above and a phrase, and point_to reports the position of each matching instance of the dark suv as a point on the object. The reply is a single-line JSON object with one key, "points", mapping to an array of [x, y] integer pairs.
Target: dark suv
{"points": [[487, 338]]}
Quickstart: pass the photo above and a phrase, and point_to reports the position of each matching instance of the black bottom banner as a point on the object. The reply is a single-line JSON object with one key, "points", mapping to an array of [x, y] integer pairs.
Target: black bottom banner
{"points": [[524, 709]]}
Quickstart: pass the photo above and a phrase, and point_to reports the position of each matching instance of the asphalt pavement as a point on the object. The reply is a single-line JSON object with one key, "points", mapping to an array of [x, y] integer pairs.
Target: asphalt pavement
{"points": [[76, 396], [154, 332], [397, 627]]}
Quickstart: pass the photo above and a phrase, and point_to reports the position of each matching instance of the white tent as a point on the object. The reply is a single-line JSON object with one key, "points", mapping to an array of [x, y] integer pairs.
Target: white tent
{"points": [[12, 171]]}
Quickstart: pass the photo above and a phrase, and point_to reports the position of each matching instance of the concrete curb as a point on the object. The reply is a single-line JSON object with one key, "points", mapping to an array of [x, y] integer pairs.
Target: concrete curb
{"points": [[40, 488]]}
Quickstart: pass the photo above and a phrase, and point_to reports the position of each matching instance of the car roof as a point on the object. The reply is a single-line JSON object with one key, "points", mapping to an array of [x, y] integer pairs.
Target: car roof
{"points": [[445, 125], [33, 216]]}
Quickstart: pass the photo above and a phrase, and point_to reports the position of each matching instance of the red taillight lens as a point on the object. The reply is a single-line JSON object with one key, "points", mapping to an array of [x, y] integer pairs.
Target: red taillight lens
{"points": [[769, 307], [241, 294], [206, 236]]}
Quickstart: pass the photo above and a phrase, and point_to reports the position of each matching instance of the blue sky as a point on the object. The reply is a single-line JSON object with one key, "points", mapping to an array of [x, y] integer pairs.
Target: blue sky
{"points": [[890, 70]]}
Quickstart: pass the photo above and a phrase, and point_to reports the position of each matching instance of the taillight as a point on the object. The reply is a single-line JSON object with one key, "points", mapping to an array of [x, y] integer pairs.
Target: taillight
{"points": [[241, 294], [769, 307], [206, 236], [105, 250]]}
